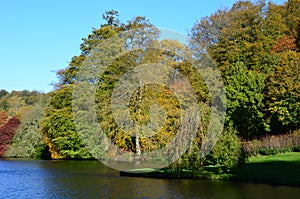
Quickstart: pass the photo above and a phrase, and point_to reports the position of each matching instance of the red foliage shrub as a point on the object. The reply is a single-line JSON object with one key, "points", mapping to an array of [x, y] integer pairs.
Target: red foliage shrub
{"points": [[7, 133], [273, 144]]}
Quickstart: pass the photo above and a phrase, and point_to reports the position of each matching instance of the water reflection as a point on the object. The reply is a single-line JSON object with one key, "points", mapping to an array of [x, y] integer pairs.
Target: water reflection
{"points": [[90, 179]]}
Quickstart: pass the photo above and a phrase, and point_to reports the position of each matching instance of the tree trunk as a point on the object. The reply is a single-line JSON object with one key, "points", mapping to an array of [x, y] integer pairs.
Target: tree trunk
{"points": [[137, 144]]}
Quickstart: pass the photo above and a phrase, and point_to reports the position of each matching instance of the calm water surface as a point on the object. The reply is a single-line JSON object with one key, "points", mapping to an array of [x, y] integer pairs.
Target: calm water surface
{"points": [[90, 179]]}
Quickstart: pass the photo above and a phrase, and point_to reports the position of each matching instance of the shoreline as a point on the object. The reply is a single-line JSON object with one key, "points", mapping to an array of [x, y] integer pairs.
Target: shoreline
{"points": [[277, 170], [215, 177]]}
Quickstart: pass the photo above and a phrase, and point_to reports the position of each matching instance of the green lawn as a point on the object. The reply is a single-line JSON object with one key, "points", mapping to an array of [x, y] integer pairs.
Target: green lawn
{"points": [[280, 169]]}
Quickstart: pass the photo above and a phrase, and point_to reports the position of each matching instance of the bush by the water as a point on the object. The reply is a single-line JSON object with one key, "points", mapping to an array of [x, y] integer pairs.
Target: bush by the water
{"points": [[227, 152]]}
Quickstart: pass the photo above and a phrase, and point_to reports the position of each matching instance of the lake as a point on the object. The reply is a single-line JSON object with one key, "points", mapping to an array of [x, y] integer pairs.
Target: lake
{"points": [[91, 179]]}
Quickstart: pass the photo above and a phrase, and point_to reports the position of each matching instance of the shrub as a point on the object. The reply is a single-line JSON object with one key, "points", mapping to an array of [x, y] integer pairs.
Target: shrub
{"points": [[271, 145], [227, 151]]}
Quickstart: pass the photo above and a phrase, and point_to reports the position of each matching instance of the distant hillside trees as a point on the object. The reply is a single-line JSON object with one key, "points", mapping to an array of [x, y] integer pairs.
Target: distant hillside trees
{"points": [[20, 114]]}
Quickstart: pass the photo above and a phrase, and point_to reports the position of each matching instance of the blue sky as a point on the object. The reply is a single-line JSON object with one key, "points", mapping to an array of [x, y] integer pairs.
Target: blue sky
{"points": [[40, 37]]}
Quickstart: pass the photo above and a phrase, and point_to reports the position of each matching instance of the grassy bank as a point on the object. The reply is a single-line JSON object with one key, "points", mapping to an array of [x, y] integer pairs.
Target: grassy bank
{"points": [[280, 169]]}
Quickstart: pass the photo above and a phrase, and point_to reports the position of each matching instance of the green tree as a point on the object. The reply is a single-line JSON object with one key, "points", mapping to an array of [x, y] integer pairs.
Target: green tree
{"points": [[59, 128], [58, 123], [232, 35], [283, 96], [245, 107], [227, 152]]}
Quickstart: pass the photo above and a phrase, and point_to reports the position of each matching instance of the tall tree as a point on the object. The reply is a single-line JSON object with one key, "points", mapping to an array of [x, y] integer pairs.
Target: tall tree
{"points": [[245, 99], [283, 93]]}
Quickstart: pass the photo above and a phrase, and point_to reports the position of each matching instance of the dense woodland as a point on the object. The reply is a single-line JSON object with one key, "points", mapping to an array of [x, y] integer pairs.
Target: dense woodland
{"points": [[255, 45], [20, 116]]}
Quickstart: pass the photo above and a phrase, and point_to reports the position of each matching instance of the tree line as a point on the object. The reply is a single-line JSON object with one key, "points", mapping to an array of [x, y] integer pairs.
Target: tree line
{"points": [[20, 130], [256, 47]]}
